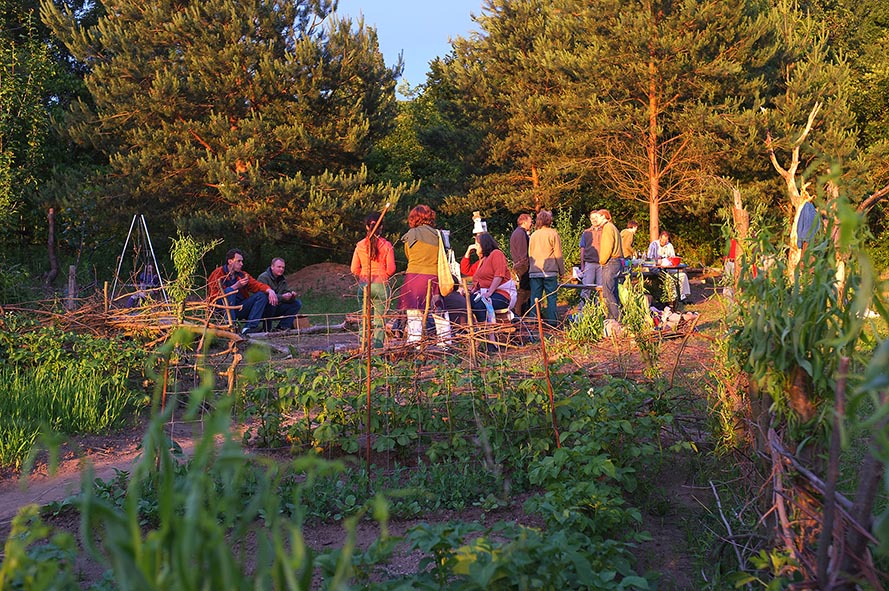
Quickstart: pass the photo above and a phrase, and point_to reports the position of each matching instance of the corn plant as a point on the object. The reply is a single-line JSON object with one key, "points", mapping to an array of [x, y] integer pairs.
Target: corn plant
{"points": [[636, 318]]}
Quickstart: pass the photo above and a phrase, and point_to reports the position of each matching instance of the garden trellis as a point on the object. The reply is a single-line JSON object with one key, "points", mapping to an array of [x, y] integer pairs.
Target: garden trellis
{"points": [[143, 255]]}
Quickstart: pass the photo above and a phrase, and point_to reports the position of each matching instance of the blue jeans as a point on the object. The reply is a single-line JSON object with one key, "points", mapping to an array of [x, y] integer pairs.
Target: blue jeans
{"points": [[547, 286], [285, 312], [610, 275], [592, 275], [480, 312], [252, 308]]}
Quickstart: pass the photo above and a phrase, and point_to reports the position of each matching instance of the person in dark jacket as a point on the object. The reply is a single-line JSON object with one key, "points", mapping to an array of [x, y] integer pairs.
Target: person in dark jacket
{"points": [[288, 304], [518, 252]]}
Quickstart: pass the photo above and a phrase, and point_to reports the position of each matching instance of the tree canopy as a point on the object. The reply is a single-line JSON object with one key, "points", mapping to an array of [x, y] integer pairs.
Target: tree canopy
{"points": [[660, 103], [228, 116]]}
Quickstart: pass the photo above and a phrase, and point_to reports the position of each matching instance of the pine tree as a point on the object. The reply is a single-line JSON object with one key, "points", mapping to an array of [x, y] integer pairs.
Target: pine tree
{"points": [[641, 100], [233, 116]]}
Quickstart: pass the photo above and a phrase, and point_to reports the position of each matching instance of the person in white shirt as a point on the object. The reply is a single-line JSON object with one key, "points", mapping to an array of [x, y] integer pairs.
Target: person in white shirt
{"points": [[662, 249]]}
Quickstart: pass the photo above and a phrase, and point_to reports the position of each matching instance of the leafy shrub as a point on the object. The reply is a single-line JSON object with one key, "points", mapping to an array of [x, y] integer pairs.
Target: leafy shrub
{"points": [[13, 280]]}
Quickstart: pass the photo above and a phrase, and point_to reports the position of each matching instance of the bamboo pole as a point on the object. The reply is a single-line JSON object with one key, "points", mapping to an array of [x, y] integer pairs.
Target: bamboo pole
{"points": [[368, 333], [549, 383]]}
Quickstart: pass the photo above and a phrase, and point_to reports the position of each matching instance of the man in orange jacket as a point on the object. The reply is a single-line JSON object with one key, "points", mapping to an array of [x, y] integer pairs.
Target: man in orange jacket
{"points": [[238, 288]]}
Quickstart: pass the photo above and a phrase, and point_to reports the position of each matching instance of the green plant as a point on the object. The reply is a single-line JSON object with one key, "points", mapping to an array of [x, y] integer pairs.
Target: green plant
{"points": [[589, 324], [52, 380], [13, 279], [35, 558], [186, 253], [636, 318], [570, 230]]}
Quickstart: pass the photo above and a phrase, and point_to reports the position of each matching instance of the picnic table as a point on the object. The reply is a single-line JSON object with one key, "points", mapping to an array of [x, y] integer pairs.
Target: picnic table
{"points": [[650, 269]]}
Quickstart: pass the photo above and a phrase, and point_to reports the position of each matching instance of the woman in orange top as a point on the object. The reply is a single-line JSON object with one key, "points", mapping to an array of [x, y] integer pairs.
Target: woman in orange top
{"points": [[376, 255], [492, 272]]}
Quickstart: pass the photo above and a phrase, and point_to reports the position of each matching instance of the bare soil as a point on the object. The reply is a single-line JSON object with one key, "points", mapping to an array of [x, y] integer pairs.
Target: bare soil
{"points": [[669, 522]]}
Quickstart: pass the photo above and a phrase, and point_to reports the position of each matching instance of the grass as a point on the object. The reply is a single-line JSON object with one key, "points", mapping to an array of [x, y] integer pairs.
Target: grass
{"points": [[323, 303], [69, 400]]}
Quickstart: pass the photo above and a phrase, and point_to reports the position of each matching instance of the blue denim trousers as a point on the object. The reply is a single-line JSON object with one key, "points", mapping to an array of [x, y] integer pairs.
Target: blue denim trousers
{"points": [[544, 287], [610, 276], [592, 275], [252, 307], [285, 313]]}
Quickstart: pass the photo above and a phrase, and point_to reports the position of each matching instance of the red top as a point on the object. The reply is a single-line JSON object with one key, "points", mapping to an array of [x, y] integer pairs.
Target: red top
{"points": [[467, 268], [381, 268], [493, 265], [228, 279]]}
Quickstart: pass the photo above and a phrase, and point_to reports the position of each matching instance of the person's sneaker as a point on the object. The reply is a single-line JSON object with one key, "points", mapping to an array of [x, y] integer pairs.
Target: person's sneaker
{"points": [[250, 330]]}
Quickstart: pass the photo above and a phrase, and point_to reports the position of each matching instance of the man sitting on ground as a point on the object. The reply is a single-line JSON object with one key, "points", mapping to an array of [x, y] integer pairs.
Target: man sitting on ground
{"points": [[240, 291], [288, 304]]}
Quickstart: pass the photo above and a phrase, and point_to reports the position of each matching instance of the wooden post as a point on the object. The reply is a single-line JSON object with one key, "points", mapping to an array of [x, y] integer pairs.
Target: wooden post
{"points": [[72, 288], [105, 295], [368, 316], [470, 322], [51, 248]]}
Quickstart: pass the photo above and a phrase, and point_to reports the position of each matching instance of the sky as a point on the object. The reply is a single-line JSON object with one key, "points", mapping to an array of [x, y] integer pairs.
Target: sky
{"points": [[420, 29]]}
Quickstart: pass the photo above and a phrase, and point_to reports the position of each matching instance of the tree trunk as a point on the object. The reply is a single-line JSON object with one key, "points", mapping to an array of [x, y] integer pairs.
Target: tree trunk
{"points": [[653, 189], [741, 218], [71, 304], [535, 182], [51, 249]]}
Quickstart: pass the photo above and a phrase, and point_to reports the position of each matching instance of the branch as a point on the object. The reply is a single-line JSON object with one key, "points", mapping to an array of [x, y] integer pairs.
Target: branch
{"points": [[873, 199], [808, 128]]}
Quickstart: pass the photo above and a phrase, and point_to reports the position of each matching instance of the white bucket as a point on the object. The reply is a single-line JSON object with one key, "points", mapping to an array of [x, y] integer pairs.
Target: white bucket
{"points": [[414, 325], [443, 328]]}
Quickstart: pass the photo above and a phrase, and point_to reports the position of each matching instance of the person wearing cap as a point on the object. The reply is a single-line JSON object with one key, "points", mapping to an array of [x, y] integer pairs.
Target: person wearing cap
{"points": [[247, 296], [545, 266]]}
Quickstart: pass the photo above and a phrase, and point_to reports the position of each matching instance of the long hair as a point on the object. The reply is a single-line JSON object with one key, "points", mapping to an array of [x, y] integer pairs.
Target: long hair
{"points": [[369, 222], [487, 242], [421, 215]]}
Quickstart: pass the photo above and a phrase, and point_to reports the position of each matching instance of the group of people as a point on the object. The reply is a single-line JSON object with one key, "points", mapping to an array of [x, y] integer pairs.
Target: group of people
{"points": [[528, 285], [260, 302], [537, 265], [602, 252]]}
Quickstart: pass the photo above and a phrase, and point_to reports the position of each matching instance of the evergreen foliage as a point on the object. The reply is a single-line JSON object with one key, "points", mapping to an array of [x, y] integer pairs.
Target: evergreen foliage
{"points": [[37, 80], [250, 117]]}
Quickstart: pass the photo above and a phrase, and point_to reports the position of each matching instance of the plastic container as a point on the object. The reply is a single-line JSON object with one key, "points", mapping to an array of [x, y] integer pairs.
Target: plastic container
{"points": [[674, 261]]}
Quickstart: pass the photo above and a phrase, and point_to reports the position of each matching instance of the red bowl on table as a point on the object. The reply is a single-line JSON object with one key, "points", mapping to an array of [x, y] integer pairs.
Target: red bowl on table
{"points": [[674, 261]]}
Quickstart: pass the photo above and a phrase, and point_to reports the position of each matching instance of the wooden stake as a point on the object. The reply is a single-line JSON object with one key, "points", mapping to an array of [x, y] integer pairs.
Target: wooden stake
{"points": [[549, 383]]}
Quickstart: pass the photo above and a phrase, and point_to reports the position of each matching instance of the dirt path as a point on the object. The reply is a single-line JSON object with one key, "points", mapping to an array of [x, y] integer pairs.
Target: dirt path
{"points": [[106, 455]]}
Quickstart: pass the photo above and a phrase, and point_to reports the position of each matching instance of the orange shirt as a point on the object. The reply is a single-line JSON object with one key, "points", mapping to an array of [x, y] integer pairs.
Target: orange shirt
{"points": [[493, 265], [381, 268]]}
